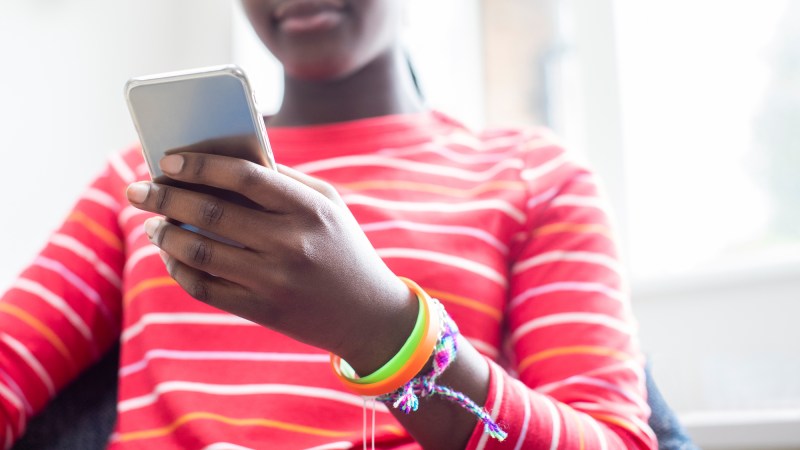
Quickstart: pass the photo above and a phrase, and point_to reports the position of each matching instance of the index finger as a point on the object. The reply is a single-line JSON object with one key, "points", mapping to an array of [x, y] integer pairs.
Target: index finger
{"points": [[266, 187]]}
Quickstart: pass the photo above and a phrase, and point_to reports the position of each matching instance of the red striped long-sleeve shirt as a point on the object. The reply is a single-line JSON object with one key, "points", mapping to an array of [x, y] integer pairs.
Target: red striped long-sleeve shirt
{"points": [[501, 226]]}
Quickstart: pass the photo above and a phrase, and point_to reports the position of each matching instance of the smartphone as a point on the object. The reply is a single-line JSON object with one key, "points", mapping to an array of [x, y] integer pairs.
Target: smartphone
{"points": [[176, 109]]}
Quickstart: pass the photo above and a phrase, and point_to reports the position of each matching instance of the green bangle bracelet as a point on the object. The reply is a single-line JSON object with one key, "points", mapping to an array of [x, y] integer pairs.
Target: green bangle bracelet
{"points": [[398, 361]]}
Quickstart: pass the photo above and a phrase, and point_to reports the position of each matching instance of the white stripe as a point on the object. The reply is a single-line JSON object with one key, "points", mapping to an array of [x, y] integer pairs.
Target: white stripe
{"points": [[435, 228], [135, 234], [449, 154], [121, 168], [58, 303], [600, 436], [225, 446], [128, 213], [541, 170], [79, 249], [182, 318], [484, 347], [139, 255], [579, 200], [632, 366], [559, 256], [566, 286], [643, 427], [31, 360], [520, 236], [585, 380], [556, 420], [544, 197], [78, 283], [341, 445], [442, 258], [526, 416], [15, 401], [184, 355], [15, 389], [101, 198], [410, 166], [570, 318], [498, 399], [242, 389], [473, 157], [437, 207]]}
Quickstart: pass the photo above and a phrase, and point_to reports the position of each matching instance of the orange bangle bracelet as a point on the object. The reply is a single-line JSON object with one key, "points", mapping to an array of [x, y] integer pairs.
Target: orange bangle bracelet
{"points": [[416, 362]]}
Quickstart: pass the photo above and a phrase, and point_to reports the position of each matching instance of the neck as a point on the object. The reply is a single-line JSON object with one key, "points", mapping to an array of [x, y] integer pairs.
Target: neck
{"points": [[382, 87]]}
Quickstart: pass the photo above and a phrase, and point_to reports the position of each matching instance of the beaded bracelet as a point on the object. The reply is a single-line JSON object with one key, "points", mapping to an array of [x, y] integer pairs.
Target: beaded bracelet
{"points": [[407, 363]]}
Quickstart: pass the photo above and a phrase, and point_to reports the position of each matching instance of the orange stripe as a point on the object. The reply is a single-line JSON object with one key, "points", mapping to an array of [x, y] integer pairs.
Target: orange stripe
{"points": [[258, 422], [435, 188], [36, 324], [616, 421], [466, 302], [564, 227], [150, 283], [577, 349], [98, 230]]}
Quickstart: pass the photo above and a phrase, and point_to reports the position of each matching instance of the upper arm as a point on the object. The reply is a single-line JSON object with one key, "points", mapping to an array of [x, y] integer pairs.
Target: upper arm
{"points": [[63, 311]]}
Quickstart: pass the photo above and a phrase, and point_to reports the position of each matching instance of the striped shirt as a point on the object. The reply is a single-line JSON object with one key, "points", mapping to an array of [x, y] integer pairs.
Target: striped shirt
{"points": [[501, 226]]}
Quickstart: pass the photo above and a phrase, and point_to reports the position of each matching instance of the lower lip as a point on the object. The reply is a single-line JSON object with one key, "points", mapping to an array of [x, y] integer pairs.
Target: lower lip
{"points": [[321, 21]]}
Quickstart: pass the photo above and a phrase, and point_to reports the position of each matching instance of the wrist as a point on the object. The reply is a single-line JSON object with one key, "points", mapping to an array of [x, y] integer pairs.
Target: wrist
{"points": [[376, 338]]}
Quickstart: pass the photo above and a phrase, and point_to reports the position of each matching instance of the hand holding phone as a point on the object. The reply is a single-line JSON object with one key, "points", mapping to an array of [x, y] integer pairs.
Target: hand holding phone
{"points": [[294, 259]]}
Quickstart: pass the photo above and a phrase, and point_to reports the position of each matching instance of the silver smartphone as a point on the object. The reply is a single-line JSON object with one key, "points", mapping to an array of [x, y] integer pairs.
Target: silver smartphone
{"points": [[176, 109], [205, 105]]}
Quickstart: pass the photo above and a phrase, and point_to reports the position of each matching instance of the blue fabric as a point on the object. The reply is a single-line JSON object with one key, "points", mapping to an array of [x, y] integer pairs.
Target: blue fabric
{"points": [[82, 416], [671, 434]]}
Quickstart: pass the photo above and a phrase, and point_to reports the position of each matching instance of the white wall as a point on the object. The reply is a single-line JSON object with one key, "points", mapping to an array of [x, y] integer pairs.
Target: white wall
{"points": [[63, 65]]}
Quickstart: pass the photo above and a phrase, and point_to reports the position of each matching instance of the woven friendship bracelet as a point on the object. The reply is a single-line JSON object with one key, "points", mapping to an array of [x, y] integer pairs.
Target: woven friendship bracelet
{"points": [[407, 397]]}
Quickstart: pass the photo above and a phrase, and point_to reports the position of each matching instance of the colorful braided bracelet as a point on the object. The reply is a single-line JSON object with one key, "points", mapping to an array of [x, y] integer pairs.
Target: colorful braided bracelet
{"points": [[405, 396]]}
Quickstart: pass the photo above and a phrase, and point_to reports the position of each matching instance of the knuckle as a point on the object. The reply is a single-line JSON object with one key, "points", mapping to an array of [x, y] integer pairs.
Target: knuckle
{"points": [[200, 253], [251, 176], [198, 164], [328, 190], [199, 289], [211, 212], [163, 197]]}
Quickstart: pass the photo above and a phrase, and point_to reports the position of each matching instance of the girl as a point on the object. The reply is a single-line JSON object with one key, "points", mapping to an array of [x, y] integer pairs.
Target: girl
{"points": [[500, 226]]}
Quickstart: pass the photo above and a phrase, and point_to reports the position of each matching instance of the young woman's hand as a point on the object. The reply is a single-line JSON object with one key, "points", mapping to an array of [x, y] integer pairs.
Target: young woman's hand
{"points": [[305, 270]]}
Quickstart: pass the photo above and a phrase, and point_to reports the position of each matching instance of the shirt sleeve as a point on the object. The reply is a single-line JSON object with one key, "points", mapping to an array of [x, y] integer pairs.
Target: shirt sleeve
{"points": [[576, 378], [63, 311]]}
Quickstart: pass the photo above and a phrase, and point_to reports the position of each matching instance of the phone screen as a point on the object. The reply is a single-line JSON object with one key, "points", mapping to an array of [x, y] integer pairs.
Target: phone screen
{"points": [[174, 111]]}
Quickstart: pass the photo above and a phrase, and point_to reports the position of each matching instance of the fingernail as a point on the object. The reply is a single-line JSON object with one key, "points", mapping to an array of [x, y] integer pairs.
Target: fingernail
{"points": [[137, 192], [151, 225], [171, 164], [164, 256]]}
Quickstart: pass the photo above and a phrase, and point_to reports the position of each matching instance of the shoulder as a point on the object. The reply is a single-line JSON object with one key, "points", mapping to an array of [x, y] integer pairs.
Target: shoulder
{"points": [[539, 158]]}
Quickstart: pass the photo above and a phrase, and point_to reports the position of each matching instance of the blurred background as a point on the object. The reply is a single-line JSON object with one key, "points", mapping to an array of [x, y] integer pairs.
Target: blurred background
{"points": [[688, 109]]}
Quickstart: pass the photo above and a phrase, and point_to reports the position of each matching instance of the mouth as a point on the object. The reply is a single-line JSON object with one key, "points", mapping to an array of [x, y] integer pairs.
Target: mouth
{"points": [[305, 16]]}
